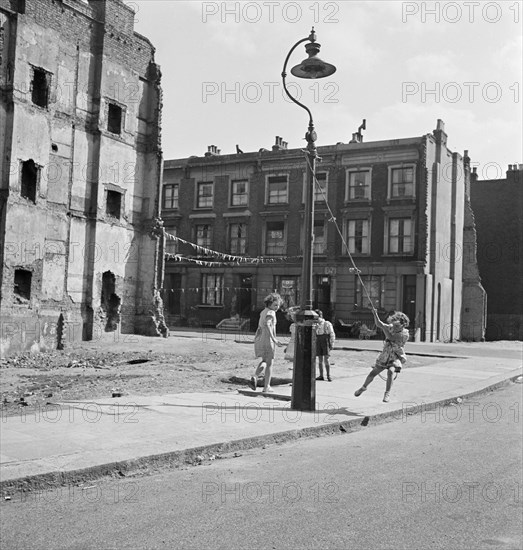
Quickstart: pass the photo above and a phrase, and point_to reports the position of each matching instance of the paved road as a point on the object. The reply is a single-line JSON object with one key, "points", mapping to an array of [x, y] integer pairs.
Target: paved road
{"points": [[448, 480]]}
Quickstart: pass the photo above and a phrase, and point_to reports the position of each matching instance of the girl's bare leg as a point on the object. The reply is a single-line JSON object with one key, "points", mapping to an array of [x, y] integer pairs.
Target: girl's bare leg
{"points": [[260, 368], [268, 373], [390, 380]]}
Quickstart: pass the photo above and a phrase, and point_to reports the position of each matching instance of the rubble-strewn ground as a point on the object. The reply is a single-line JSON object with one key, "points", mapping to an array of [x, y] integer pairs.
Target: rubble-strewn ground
{"points": [[137, 365]]}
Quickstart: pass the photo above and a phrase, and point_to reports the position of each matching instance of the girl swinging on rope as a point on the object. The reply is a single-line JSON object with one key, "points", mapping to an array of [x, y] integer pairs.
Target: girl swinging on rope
{"points": [[393, 355]]}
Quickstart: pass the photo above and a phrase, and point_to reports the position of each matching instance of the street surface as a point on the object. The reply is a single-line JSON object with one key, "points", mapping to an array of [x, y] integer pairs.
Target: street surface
{"points": [[449, 479]]}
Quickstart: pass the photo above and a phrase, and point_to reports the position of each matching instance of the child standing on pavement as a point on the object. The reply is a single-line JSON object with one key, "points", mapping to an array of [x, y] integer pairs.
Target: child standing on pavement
{"points": [[393, 355], [265, 341], [289, 350], [325, 339]]}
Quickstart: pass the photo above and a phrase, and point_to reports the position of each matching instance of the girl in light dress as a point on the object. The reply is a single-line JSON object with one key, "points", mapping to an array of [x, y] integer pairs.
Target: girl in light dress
{"points": [[265, 342]]}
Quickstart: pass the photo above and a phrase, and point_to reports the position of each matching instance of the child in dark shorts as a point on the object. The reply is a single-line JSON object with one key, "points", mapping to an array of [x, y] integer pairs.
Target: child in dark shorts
{"points": [[325, 338], [393, 355]]}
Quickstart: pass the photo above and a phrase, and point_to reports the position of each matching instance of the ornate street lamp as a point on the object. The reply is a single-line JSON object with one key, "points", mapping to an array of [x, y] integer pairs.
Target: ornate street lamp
{"points": [[304, 372]]}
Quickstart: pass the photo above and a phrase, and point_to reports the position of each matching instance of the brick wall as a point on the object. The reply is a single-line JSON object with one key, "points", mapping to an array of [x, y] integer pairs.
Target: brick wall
{"points": [[497, 206]]}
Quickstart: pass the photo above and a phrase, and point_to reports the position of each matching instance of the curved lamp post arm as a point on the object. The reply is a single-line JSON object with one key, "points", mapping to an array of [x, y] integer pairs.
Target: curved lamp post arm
{"points": [[311, 38]]}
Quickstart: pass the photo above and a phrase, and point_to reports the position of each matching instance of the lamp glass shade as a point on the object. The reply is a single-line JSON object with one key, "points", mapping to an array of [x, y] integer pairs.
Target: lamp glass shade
{"points": [[313, 67]]}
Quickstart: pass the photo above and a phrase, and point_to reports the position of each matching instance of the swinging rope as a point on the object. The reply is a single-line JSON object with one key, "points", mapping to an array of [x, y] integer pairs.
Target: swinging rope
{"points": [[333, 219], [346, 247]]}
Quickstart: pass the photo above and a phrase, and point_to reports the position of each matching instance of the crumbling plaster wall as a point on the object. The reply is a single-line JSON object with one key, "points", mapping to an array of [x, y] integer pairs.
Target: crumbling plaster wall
{"points": [[66, 238]]}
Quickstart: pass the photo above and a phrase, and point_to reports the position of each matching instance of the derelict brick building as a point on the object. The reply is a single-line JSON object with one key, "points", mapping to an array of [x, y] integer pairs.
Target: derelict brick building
{"points": [[80, 173], [498, 207], [402, 209]]}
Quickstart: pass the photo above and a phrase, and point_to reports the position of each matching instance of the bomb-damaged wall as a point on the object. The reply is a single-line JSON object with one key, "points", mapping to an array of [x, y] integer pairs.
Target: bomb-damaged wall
{"points": [[79, 159]]}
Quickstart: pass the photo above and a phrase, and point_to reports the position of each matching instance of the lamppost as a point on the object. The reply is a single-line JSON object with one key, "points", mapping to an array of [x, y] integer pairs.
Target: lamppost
{"points": [[304, 372]]}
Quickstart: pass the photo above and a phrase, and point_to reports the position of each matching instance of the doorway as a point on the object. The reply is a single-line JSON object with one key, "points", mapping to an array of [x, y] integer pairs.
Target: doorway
{"points": [[174, 292], [322, 295], [409, 300], [244, 298]]}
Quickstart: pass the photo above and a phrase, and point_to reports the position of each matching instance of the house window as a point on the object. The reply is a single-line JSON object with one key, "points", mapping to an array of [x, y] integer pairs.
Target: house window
{"points": [[171, 246], [288, 287], [170, 196], [400, 239], [358, 185], [357, 236], [29, 180], [212, 289], [320, 238], [275, 239], [114, 119], [374, 286], [113, 205], [239, 193], [402, 182], [277, 190], [203, 235], [204, 195], [40, 87], [22, 284], [320, 187], [237, 238]]}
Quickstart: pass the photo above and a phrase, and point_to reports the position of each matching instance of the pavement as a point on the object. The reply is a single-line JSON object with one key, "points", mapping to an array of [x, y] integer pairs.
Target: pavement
{"points": [[75, 442]]}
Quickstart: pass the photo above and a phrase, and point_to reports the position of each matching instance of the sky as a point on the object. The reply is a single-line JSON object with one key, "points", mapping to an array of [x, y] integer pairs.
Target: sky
{"points": [[400, 65]]}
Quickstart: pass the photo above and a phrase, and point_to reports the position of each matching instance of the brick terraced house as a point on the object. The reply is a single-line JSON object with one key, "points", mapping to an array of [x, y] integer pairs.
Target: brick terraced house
{"points": [[400, 205]]}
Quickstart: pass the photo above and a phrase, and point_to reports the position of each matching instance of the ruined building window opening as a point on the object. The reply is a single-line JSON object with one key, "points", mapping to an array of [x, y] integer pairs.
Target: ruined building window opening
{"points": [[114, 118], [22, 284], [110, 302], [29, 180], [114, 204], [40, 87]]}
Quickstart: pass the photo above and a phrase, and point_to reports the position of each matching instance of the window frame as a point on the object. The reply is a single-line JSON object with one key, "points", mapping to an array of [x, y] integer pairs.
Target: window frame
{"points": [[173, 186], [48, 79], [232, 194], [198, 196], [267, 189], [360, 297], [38, 170], [212, 296], [171, 246], [318, 196], [243, 250], [295, 291], [390, 185], [348, 187], [346, 234], [387, 248], [114, 192], [265, 237], [209, 238]]}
